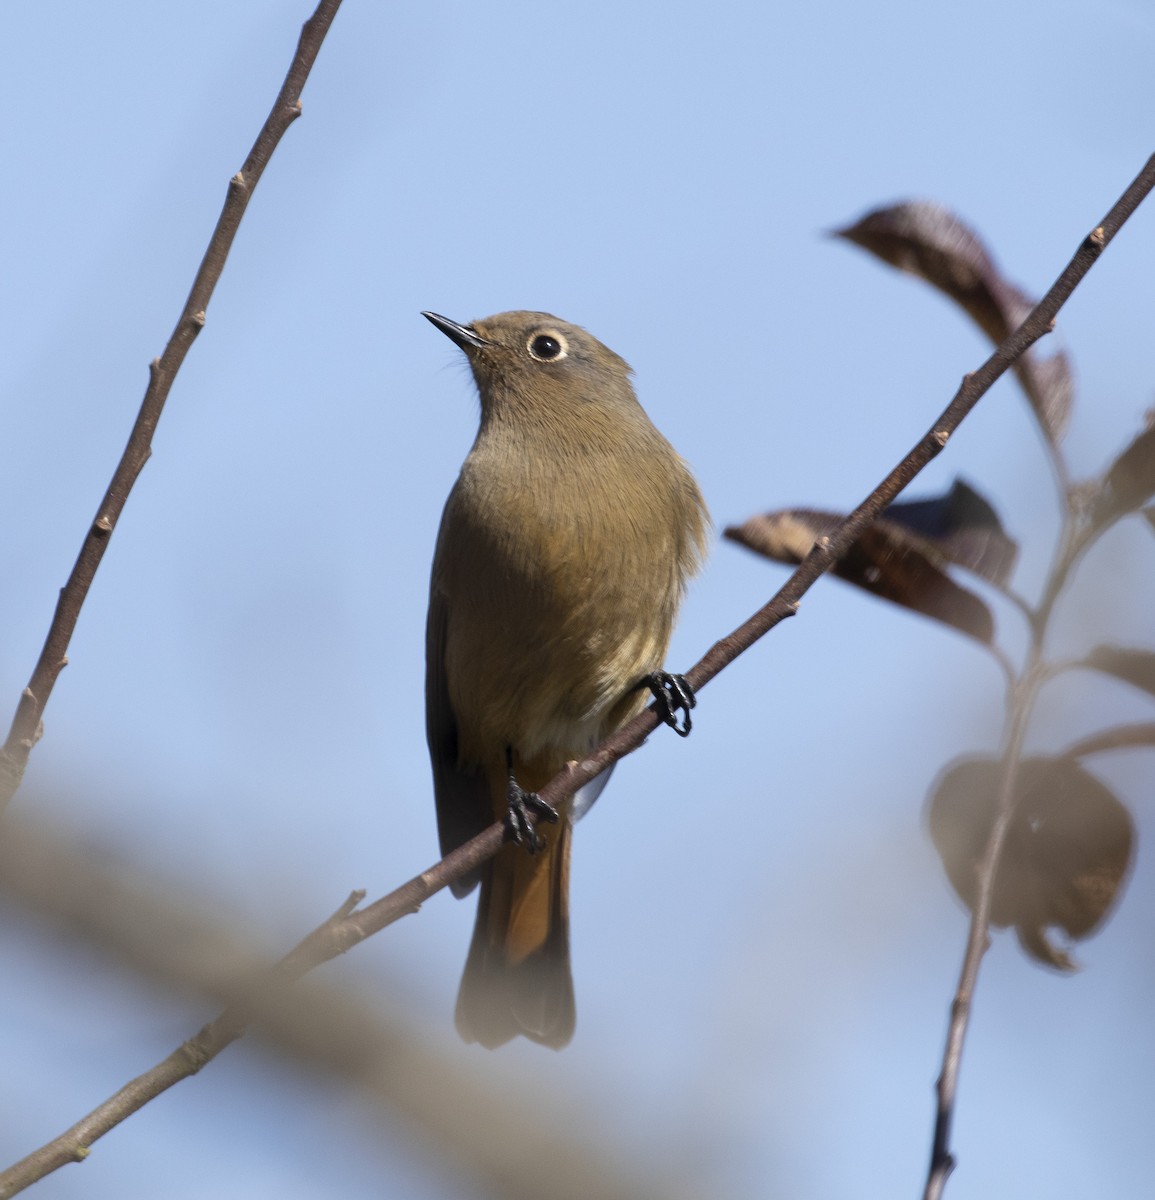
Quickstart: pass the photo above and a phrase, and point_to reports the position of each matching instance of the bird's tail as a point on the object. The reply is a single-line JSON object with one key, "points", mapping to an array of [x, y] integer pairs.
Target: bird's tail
{"points": [[517, 977]]}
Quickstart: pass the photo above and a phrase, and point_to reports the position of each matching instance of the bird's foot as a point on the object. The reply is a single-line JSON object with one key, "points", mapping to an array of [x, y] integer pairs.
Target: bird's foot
{"points": [[673, 695], [519, 827]]}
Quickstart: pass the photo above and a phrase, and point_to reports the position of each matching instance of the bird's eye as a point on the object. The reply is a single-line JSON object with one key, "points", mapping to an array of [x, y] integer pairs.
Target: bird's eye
{"points": [[547, 347]]}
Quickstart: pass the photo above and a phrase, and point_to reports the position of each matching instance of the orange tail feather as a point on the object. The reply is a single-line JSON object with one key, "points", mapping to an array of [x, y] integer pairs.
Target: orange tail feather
{"points": [[517, 977]]}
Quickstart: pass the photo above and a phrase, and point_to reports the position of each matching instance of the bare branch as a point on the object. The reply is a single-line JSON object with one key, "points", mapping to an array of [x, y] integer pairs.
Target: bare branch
{"points": [[26, 724], [827, 551], [942, 1160]]}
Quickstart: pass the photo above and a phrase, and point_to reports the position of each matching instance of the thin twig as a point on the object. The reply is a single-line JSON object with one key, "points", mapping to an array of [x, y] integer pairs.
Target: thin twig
{"points": [[941, 1158], [26, 723], [1022, 695], [346, 928], [1073, 542]]}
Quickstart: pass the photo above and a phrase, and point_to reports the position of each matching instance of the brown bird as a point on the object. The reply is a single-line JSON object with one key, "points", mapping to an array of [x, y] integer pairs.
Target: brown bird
{"points": [[563, 554]]}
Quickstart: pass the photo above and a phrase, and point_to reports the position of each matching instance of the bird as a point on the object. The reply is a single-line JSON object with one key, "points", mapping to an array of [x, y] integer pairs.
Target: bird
{"points": [[564, 551]]}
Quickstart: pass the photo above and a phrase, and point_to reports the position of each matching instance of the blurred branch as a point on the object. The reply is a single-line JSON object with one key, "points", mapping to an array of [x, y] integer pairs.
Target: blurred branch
{"points": [[26, 724], [349, 926], [1122, 737], [343, 930], [1076, 535], [490, 1123]]}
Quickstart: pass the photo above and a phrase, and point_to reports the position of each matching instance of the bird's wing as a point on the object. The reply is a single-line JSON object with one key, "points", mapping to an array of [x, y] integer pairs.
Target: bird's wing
{"points": [[464, 807]]}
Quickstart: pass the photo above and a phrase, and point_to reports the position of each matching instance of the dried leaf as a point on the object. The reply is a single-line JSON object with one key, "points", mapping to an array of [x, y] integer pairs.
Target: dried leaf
{"points": [[1067, 852], [903, 556], [927, 240], [1130, 480], [964, 527], [886, 561], [1136, 667]]}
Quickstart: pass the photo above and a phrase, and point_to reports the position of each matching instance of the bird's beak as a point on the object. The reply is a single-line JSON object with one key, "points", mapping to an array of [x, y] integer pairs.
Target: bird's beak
{"points": [[463, 335]]}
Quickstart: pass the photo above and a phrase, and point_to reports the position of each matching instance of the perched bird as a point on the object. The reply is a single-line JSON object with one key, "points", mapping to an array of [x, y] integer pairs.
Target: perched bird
{"points": [[564, 551]]}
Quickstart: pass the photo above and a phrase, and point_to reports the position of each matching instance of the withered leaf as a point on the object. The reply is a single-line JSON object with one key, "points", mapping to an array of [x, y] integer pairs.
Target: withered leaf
{"points": [[886, 561], [928, 240], [1067, 852], [964, 528], [1130, 480], [903, 556], [1136, 667]]}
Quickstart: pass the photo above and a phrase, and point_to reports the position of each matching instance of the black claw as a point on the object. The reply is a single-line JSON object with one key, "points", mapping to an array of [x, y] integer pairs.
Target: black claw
{"points": [[673, 695], [518, 826]]}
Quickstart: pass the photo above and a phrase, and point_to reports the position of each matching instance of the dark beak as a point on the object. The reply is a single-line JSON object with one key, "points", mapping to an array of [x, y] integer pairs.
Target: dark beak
{"points": [[465, 337]]}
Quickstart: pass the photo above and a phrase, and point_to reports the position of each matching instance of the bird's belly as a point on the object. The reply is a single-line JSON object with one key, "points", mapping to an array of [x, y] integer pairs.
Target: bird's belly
{"points": [[551, 674]]}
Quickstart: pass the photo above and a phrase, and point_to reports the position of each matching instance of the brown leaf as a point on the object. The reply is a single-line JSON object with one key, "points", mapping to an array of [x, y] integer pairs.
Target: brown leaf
{"points": [[903, 556], [927, 240], [964, 528], [1067, 852], [886, 561], [1148, 514], [1136, 667], [1130, 480]]}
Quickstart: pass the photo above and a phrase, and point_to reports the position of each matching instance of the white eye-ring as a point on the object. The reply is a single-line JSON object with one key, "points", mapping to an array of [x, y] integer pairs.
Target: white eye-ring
{"points": [[547, 346]]}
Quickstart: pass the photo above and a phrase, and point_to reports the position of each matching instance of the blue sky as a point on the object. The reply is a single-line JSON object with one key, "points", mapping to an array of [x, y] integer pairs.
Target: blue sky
{"points": [[764, 947]]}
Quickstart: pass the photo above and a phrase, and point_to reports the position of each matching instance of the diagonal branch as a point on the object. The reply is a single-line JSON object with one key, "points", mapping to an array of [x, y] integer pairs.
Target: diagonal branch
{"points": [[350, 925], [827, 551], [26, 724]]}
